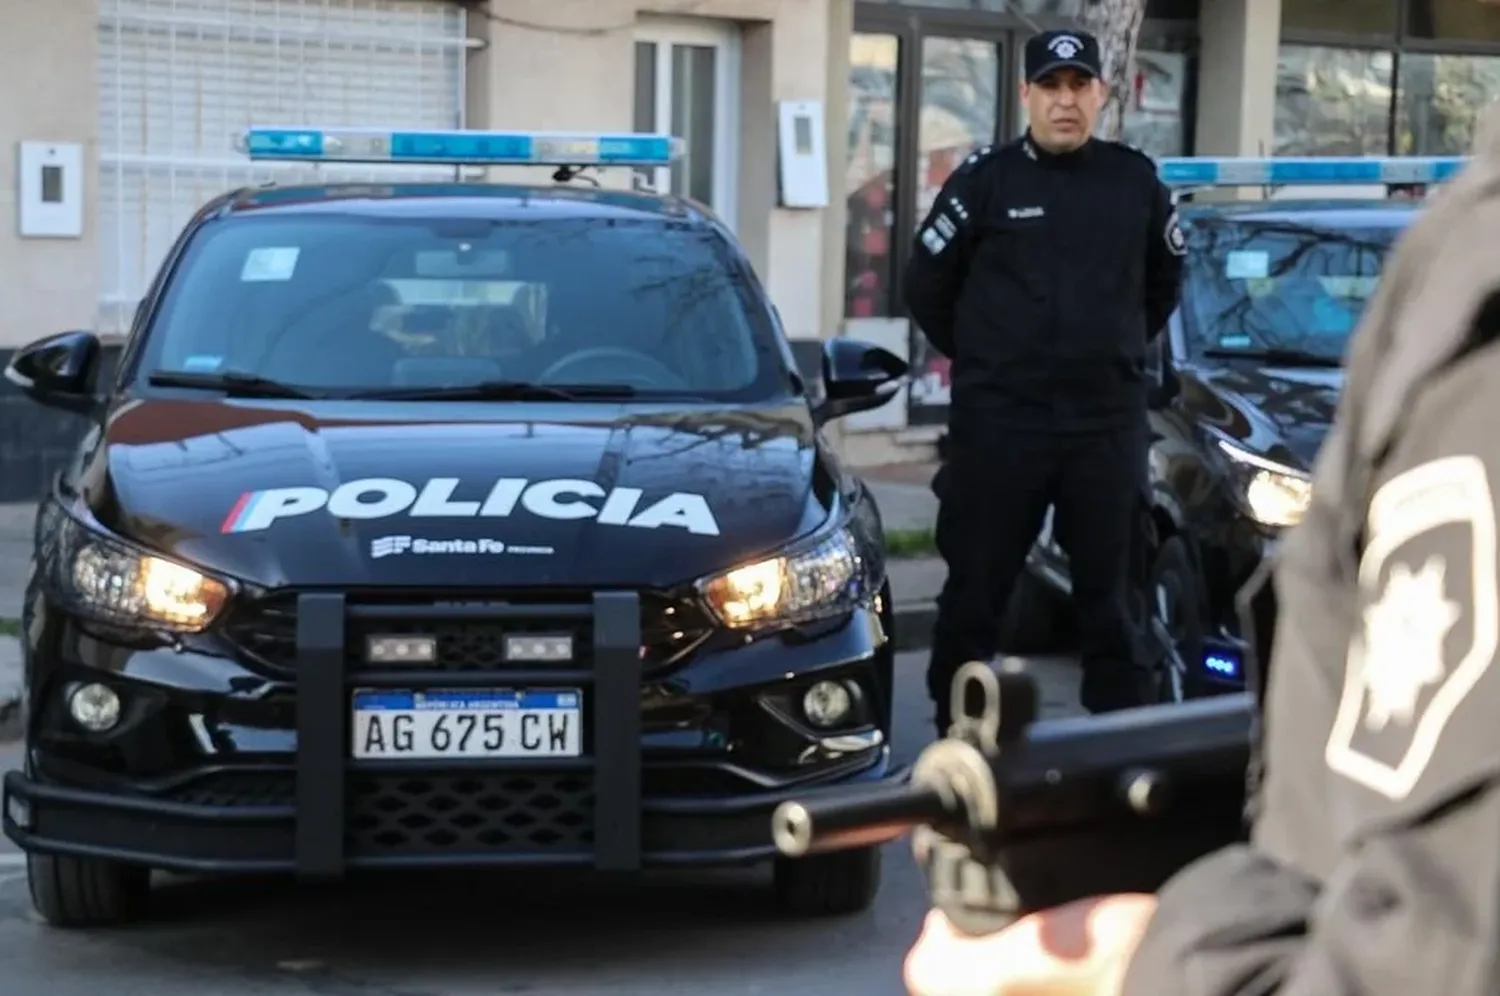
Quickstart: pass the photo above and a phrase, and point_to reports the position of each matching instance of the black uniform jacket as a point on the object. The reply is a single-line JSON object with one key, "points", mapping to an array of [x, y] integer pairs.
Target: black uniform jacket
{"points": [[1374, 864], [1044, 277]]}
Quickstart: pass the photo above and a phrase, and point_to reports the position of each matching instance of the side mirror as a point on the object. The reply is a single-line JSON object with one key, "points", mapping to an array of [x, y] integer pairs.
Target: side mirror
{"points": [[58, 371], [857, 376]]}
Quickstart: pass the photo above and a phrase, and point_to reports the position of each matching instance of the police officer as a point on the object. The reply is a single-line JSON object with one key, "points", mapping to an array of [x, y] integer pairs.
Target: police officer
{"points": [[1043, 270], [1373, 868]]}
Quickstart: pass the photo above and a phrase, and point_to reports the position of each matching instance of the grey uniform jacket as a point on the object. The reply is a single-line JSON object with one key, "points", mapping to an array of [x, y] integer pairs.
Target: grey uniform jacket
{"points": [[1374, 863]]}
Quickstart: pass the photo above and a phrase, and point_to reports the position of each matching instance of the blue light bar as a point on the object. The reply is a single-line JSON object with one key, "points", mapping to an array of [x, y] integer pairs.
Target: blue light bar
{"points": [[1307, 171], [459, 148]]}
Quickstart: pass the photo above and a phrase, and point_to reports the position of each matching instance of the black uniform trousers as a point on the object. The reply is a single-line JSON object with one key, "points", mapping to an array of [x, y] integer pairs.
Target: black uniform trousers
{"points": [[999, 481]]}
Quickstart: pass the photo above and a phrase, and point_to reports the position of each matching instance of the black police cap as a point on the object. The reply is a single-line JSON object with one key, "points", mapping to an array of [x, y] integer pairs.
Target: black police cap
{"points": [[1054, 50]]}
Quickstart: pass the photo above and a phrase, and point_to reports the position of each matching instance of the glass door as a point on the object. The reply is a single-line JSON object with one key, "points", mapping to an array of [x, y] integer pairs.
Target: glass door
{"points": [[870, 176], [959, 111]]}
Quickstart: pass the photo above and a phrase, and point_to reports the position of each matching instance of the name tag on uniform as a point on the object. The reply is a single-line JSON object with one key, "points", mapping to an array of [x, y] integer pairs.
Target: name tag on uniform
{"points": [[1026, 212]]}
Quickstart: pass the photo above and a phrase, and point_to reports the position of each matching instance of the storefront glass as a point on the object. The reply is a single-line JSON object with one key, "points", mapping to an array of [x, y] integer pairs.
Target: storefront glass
{"points": [[1333, 101], [870, 178], [1383, 85], [1438, 100], [1350, 102]]}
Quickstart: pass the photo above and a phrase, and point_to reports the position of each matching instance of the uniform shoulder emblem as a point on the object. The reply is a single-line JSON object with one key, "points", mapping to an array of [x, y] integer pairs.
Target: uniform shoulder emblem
{"points": [[977, 158], [1418, 674]]}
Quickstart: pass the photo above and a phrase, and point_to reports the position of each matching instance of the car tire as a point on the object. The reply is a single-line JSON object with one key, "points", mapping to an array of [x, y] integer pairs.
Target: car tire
{"points": [[1176, 599], [1036, 620], [833, 884], [86, 892]]}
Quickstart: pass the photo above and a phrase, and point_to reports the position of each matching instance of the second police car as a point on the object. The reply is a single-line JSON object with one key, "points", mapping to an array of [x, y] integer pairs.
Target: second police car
{"points": [[449, 524], [1249, 373]]}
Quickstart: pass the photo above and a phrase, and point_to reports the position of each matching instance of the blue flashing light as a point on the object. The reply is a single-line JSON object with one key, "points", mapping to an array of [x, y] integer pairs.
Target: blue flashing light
{"points": [[459, 148], [1308, 171], [1221, 664]]}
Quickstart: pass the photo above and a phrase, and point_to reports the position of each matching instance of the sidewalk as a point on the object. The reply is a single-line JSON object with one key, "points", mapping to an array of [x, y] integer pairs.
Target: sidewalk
{"points": [[902, 493]]}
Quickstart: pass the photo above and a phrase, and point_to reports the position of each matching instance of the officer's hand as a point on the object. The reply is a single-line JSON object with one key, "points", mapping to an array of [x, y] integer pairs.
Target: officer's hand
{"points": [[1081, 949]]}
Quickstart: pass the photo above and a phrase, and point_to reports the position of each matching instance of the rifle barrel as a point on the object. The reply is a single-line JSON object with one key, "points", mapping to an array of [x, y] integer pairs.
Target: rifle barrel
{"points": [[836, 822]]}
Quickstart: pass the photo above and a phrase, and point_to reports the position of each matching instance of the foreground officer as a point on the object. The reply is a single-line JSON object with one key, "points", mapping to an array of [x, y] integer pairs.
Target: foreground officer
{"points": [[1043, 270], [1374, 866]]}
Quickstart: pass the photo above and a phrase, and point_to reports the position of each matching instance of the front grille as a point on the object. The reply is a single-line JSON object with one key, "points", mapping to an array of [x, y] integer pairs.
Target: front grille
{"points": [[411, 815], [401, 815], [237, 788], [267, 631]]}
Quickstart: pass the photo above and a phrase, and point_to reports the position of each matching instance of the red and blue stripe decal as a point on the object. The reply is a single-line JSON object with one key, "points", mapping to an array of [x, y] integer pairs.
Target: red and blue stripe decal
{"points": [[234, 521]]}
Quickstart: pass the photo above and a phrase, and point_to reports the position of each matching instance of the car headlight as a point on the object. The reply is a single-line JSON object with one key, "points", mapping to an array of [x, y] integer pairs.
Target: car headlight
{"points": [[813, 581], [108, 580], [1275, 495]]}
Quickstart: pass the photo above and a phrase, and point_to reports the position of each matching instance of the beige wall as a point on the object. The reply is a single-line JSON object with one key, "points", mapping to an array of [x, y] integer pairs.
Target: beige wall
{"points": [[1240, 41], [48, 92], [588, 63]]}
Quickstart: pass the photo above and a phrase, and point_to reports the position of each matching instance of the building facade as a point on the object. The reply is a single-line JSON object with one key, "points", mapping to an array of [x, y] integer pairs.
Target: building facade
{"points": [[134, 106]]}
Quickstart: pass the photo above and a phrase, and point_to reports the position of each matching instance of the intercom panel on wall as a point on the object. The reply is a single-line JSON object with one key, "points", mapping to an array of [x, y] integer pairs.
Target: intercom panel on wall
{"points": [[50, 201], [803, 154]]}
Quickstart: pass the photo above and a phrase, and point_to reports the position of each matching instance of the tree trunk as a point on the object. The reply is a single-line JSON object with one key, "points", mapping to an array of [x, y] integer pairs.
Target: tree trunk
{"points": [[1117, 25]]}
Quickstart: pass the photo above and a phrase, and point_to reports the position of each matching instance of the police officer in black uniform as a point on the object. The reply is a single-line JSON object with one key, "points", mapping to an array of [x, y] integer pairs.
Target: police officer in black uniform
{"points": [[1373, 868], [1043, 270]]}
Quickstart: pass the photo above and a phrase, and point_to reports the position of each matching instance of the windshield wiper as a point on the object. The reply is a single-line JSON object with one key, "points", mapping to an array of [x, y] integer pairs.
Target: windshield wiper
{"points": [[1279, 357], [503, 390], [231, 382]]}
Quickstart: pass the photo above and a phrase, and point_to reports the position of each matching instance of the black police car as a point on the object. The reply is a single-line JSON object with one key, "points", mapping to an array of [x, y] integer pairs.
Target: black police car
{"points": [[1250, 372], [448, 525]]}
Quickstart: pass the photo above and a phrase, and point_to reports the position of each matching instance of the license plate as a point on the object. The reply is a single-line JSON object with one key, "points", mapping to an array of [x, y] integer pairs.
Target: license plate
{"points": [[467, 724]]}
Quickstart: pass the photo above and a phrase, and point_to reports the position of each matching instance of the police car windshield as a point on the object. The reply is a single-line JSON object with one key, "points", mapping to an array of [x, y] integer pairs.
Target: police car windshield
{"points": [[1281, 285], [341, 304]]}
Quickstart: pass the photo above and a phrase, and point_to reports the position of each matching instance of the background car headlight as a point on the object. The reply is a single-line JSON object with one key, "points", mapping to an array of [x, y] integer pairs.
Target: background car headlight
{"points": [[819, 580], [1274, 495], [114, 583]]}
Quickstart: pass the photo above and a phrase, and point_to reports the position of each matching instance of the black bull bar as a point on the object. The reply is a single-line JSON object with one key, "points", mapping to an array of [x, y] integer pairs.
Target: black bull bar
{"points": [[324, 685]]}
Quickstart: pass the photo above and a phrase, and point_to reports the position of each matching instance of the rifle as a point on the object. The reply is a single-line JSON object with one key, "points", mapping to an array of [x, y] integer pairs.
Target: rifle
{"points": [[1010, 815]]}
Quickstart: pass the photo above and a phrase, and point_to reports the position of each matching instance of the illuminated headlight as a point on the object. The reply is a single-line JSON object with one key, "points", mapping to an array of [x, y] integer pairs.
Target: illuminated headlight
{"points": [[819, 580], [1275, 495], [108, 580]]}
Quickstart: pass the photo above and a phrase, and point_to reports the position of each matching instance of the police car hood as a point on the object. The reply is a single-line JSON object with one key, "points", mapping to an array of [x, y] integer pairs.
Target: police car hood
{"points": [[454, 494], [1281, 413]]}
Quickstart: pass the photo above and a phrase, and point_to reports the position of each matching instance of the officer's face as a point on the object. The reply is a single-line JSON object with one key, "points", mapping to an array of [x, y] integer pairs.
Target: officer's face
{"points": [[1063, 106]]}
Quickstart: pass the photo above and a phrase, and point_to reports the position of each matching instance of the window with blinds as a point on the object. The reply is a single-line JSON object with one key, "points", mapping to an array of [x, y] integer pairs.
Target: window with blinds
{"points": [[180, 79]]}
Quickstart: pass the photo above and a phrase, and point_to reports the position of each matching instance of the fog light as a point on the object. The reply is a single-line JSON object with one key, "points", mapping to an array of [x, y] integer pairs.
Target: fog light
{"points": [[540, 647], [401, 649], [827, 703], [95, 707]]}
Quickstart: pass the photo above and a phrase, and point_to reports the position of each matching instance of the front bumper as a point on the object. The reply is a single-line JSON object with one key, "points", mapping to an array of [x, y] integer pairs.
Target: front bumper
{"points": [[313, 810], [216, 839]]}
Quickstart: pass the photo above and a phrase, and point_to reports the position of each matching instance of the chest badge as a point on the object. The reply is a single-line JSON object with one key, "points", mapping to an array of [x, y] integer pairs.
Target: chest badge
{"points": [[1026, 212]]}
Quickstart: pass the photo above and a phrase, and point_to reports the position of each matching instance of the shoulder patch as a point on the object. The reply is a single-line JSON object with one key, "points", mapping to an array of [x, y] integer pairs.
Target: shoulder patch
{"points": [[1427, 631], [1174, 236], [976, 159]]}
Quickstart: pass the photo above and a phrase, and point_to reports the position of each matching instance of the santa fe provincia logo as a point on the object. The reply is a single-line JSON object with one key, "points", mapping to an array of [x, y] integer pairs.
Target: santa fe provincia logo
{"points": [[558, 499]]}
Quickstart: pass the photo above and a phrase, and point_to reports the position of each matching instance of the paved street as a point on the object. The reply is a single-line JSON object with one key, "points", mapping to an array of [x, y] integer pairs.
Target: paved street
{"points": [[560, 935]]}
